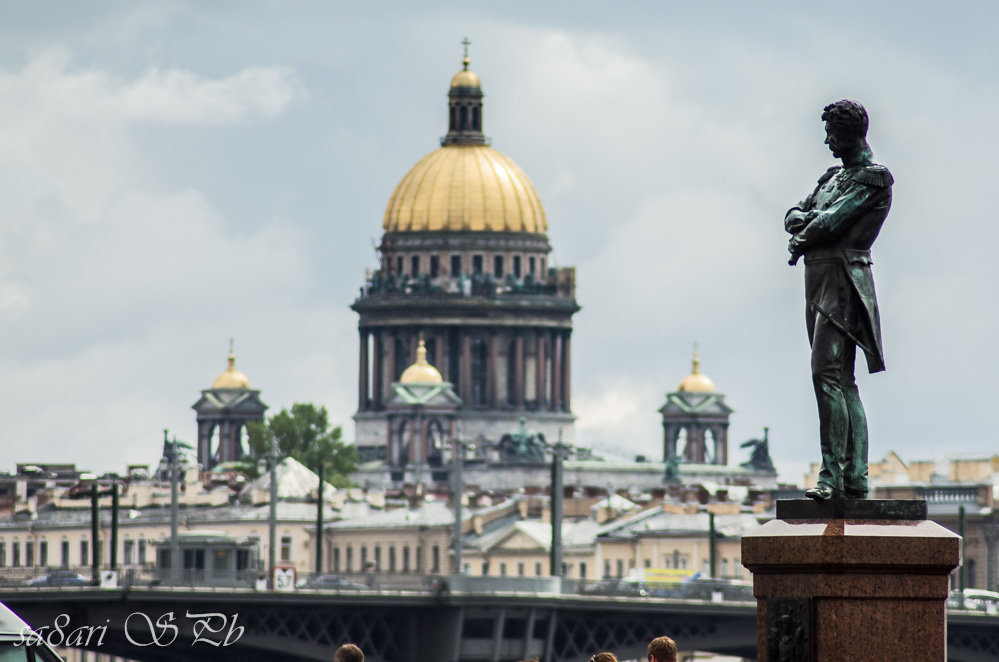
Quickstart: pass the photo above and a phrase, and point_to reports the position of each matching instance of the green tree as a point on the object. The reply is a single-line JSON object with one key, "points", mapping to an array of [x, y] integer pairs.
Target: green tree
{"points": [[305, 434]]}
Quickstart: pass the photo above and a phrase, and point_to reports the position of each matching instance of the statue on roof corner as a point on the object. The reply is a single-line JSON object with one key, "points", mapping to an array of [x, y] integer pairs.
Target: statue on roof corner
{"points": [[833, 229]]}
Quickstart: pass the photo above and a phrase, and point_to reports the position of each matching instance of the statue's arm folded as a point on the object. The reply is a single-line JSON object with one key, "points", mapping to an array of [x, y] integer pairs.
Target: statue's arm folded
{"points": [[837, 217], [795, 220]]}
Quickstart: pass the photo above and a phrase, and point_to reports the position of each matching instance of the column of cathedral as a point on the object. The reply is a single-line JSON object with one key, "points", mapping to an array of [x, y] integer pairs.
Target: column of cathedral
{"points": [[552, 374]]}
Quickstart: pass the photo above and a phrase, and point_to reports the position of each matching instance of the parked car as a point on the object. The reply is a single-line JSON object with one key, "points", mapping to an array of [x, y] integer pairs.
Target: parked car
{"points": [[19, 643], [975, 600], [59, 578], [332, 583]]}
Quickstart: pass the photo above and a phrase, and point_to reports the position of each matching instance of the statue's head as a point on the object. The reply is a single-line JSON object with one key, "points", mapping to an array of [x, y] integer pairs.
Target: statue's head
{"points": [[846, 127]]}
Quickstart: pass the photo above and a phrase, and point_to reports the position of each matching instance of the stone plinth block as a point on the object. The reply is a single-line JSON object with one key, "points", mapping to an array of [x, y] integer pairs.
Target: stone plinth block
{"points": [[851, 589]]}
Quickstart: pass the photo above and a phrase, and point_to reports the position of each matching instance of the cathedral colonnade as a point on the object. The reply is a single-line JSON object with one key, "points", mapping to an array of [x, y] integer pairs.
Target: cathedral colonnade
{"points": [[492, 367]]}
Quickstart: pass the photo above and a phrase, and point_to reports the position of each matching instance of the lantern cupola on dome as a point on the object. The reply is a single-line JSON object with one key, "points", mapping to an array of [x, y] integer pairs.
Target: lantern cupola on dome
{"points": [[465, 106]]}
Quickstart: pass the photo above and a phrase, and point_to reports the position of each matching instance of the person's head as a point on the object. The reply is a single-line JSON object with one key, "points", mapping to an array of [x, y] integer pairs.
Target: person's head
{"points": [[661, 649], [846, 127], [348, 653], [604, 657]]}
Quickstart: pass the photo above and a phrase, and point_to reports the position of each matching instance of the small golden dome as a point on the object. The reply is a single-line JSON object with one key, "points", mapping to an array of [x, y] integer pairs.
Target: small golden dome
{"points": [[465, 78], [421, 372], [465, 187], [695, 382], [230, 377]]}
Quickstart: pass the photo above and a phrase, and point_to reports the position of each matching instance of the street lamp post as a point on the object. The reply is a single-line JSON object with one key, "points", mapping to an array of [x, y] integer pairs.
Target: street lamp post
{"points": [[272, 456], [459, 446], [174, 509], [559, 452]]}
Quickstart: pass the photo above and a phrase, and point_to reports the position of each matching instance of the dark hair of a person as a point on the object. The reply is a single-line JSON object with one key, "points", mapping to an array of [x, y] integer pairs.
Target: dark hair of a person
{"points": [[348, 653], [663, 649]]}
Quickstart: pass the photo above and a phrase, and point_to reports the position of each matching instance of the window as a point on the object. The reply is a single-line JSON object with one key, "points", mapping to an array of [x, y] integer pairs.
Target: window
{"points": [[364, 558], [405, 559], [676, 559], [436, 559], [706, 568], [516, 267], [485, 568], [286, 548], [129, 552], [43, 553], [530, 266], [349, 566], [521, 570], [724, 568], [378, 558], [398, 266], [222, 560], [142, 551], [607, 573], [336, 559], [497, 266], [620, 568], [435, 266], [419, 559], [737, 567], [391, 558], [3, 554], [648, 563], [582, 570], [467, 569], [15, 553], [502, 569], [84, 552], [63, 554], [538, 569], [29, 553], [194, 559], [455, 266], [414, 265], [476, 264]]}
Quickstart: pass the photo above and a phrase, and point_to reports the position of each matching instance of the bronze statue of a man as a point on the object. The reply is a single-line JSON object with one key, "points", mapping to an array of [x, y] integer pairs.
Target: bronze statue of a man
{"points": [[834, 228]]}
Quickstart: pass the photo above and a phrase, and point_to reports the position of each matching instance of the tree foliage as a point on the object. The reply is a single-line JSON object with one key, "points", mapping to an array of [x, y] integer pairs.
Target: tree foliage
{"points": [[305, 434]]}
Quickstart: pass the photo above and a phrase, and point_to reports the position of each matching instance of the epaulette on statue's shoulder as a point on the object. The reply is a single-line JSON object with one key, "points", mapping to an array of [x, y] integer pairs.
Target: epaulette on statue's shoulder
{"points": [[828, 174], [872, 175]]}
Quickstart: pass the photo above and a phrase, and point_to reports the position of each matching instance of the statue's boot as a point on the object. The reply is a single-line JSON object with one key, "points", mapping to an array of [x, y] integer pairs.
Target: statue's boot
{"points": [[821, 492]]}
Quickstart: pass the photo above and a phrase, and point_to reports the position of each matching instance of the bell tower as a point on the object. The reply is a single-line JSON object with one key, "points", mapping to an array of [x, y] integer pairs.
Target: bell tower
{"points": [[695, 420], [223, 412]]}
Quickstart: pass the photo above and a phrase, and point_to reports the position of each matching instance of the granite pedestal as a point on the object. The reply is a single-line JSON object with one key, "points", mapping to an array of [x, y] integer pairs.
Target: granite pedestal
{"points": [[851, 580]]}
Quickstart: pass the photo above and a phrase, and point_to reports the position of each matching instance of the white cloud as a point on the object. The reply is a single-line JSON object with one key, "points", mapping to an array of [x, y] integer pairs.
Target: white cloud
{"points": [[51, 83]]}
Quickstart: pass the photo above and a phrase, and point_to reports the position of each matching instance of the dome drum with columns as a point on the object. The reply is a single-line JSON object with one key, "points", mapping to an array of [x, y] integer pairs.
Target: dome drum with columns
{"points": [[464, 261]]}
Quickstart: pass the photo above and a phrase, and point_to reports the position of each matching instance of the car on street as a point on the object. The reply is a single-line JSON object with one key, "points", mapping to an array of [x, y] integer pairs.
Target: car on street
{"points": [[975, 599], [332, 583], [59, 578]]}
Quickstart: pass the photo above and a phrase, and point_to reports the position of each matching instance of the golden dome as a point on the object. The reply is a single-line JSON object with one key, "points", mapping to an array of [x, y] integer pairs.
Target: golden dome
{"points": [[230, 377], [695, 382], [421, 372], [465, 187], [465, 78]]}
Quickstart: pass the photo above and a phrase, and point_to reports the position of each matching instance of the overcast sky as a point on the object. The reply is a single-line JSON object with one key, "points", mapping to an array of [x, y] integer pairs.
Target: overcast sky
{"points": [[176, 174]]}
